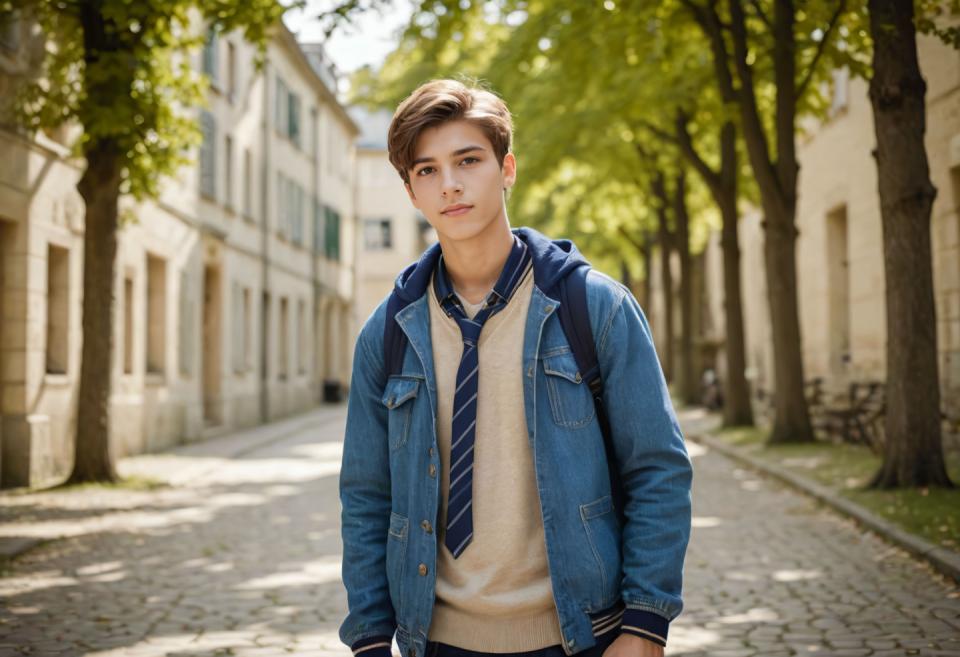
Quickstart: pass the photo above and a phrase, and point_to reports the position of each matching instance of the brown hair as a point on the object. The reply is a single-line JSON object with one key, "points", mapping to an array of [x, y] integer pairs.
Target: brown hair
{"points": [[438, 101]]}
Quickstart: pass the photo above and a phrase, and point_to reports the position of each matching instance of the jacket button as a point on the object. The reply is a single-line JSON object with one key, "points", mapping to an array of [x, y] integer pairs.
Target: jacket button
{"points": [[530, 371], [427, 527], [433, 470], [548, 309], [577, 377], [422, 569], [431, 451], [390, 402], [412, 652]]}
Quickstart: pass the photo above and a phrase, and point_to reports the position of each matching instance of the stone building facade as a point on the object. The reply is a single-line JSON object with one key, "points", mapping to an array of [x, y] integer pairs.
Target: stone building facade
{"points": [[234, 290], [840, 266]]}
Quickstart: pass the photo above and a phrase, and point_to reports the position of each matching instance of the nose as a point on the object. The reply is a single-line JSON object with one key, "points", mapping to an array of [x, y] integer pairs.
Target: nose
{"points": [[451, 185]]}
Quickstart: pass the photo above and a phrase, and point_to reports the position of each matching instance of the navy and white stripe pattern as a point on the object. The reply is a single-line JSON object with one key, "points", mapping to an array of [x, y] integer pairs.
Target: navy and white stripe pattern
{"points": [[459, 527]]}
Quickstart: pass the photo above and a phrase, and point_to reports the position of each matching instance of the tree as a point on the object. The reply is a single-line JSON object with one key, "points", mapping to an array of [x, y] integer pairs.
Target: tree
{"points": [[913, 450], [795, 40], [117, 70]]}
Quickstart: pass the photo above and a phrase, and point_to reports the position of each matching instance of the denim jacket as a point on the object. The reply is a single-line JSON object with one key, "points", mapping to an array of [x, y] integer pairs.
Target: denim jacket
{"points": [[389, 479]]}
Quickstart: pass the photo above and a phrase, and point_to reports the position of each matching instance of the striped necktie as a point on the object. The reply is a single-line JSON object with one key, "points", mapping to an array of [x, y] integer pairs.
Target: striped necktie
{"points": [[459, 529]]}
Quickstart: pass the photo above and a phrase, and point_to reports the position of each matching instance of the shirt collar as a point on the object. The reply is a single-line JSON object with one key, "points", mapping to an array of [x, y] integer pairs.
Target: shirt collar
{"points": [[503, 289]]}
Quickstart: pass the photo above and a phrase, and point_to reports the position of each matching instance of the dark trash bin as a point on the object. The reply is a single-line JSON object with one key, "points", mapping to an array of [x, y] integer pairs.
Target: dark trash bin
{"points": [[332, 391]]}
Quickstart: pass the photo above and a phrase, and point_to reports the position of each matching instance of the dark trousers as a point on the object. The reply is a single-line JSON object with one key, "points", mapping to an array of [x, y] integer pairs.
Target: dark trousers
{"points": [[444, 650]]}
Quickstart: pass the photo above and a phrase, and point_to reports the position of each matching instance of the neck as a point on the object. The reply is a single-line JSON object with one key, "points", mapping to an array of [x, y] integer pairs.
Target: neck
{"points": [[474, 264]]}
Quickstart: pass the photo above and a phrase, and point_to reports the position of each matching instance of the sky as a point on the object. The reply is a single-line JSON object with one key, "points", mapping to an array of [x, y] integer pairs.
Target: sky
{"points": [[373, 38]]}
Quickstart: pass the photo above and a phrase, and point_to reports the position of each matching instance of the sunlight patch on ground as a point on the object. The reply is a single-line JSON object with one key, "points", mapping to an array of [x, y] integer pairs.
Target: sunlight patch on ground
{"points": [[700, 522], [796, 575], [752, 616], [320, 571], [14, 586], [685, 638]]}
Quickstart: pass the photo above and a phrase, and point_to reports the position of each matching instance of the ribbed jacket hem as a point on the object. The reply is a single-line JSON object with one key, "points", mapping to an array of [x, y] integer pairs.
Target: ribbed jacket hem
{"points": [[373, 646], [645, 624]]}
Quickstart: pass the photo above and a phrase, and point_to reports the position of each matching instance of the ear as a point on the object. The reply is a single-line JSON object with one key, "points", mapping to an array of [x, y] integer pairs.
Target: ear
{"points": [[509, 170]]}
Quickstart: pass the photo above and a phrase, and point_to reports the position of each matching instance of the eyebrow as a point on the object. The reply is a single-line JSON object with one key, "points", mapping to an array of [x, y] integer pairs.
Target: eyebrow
{"points": [[459, 151]]}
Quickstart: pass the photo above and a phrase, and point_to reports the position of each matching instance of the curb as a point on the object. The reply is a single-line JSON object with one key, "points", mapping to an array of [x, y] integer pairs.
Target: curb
{"points": [[945, 561]]}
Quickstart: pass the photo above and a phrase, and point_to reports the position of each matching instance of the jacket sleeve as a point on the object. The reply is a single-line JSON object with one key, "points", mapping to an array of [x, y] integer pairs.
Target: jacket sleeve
{"points": [[654, 467], [365, 506]]}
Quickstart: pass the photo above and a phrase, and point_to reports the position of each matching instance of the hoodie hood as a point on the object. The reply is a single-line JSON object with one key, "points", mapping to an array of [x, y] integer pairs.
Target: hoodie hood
{"points": [[552, 260]]}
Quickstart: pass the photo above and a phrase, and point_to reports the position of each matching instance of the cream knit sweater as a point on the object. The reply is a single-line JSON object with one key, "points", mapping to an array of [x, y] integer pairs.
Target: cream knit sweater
{"points": [[496, 597]]}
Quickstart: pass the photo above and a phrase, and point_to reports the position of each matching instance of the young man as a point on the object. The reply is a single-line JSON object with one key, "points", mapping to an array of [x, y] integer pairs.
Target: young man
{"points": [[477, 509]]}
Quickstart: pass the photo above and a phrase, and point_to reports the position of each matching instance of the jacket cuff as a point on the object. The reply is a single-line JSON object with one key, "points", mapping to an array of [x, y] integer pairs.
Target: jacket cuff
{"points": [[645, 624], [373, 646]]}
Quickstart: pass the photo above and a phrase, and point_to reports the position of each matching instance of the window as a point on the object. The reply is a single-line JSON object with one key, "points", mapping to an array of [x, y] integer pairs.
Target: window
{"points": [[208, 155], [185, 348], [377, 234], [228, 171], [156, 313], [313, 144], [331, 234], [281, 202], [211, 64], [241, 328], [284, 355], [231, 71], [841, 88], [281, 110], [293, 123], [290, 202], [838, 296], [58, 309], [955, 185], [296, 216], [128, 324], [247, 183], [318, 226], [247, 332], [303, 346]]}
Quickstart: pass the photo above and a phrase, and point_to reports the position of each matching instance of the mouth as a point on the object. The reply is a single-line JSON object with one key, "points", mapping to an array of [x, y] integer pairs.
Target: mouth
{"points": [[457, 211]]}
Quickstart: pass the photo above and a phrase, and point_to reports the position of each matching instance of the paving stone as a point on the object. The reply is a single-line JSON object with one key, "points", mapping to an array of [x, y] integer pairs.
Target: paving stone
{"points": [[243, 558]]}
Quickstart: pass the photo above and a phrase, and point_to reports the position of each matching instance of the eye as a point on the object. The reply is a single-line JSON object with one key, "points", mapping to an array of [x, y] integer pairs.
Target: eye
{"points": [[469, 158], [420, 172]]}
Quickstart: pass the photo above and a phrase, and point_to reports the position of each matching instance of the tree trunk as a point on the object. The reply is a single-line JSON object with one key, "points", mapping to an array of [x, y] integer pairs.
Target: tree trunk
{"points": [[913, 450], [722, 184], [792, 419], [100, 189], [689, 389], [777, 181], [666, 276], [737, 410]]}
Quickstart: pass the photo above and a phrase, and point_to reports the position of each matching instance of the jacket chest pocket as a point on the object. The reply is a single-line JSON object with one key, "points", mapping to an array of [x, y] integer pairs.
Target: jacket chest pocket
{"points": [[398, 396], [570, 400]]}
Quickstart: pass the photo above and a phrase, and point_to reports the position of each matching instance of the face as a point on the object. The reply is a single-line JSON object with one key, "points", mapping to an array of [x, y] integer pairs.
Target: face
{"points": [[454, 165]]}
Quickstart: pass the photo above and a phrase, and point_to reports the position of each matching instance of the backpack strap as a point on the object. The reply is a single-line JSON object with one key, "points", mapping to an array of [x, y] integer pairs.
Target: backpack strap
{"points": [[394, 339], [575, 320]]}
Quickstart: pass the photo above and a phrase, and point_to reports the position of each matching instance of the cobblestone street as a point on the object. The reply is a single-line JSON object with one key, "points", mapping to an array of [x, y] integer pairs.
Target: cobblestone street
{"points": [[241, 556]]}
